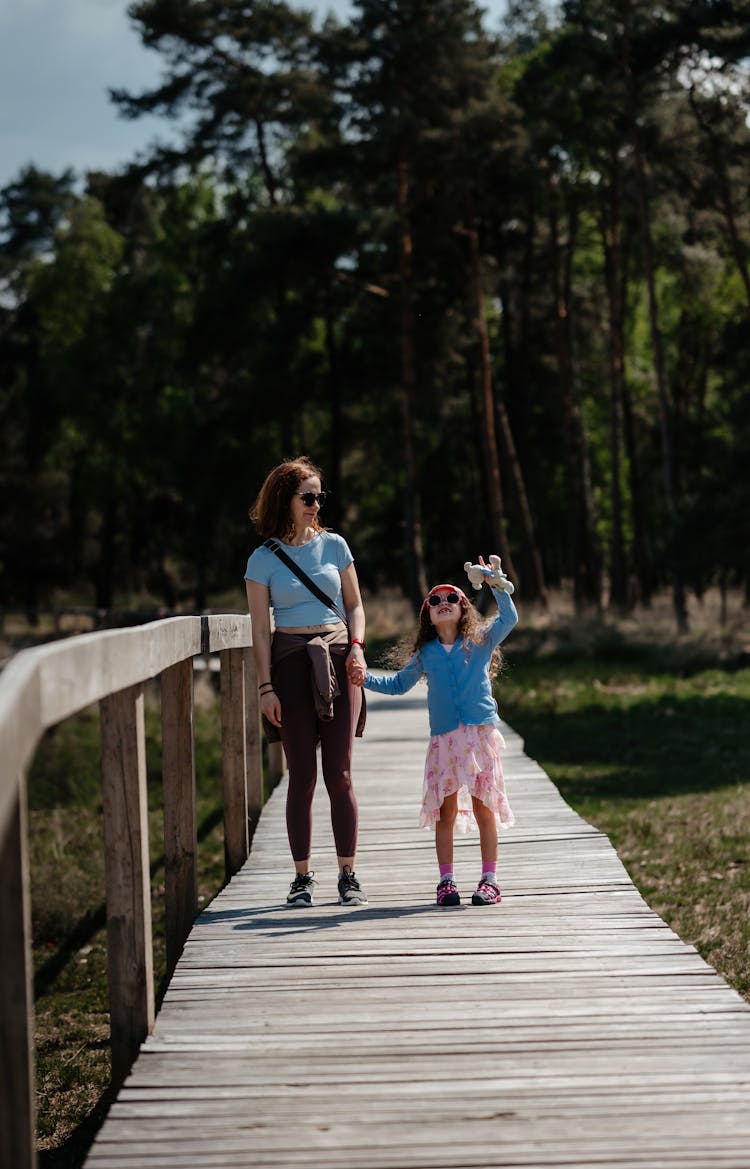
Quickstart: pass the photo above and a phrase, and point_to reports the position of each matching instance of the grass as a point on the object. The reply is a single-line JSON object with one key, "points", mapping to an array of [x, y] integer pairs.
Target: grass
{"points": [[642, 731], [659, 760]]}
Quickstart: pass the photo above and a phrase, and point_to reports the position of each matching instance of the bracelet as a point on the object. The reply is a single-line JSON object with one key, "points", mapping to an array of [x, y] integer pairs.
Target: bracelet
{"points": [[358, 641], [262, 684]]}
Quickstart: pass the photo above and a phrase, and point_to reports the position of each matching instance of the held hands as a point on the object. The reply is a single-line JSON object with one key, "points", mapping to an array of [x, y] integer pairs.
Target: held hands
{"points": [[356, 666], [356, 669], [492, 574]]}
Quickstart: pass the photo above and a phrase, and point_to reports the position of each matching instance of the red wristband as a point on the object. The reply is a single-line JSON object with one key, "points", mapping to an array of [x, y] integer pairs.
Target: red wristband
{"points": [[358, 641]]}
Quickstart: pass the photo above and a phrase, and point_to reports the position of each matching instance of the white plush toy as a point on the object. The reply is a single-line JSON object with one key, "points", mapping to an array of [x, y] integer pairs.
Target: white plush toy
{"points": [[493, 574]]}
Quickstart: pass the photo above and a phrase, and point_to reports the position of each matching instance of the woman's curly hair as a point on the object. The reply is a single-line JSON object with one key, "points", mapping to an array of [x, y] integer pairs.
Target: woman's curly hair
{"points": [[472, 629]]}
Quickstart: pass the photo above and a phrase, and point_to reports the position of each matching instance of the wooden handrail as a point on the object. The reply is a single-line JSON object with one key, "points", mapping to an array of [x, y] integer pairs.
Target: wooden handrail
{"points": [[40, 688]]}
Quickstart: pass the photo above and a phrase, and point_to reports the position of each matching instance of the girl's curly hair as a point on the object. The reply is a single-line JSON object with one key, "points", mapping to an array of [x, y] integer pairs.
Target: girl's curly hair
{"points": [[472, 628]]}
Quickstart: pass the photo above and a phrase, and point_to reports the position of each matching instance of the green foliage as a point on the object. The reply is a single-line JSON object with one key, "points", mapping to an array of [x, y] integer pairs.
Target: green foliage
{"points": [[69, 289], [170, 332]]}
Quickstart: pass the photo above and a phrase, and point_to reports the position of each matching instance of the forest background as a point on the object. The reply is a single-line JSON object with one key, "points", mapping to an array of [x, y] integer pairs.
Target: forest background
{"points": [[498, 286]]}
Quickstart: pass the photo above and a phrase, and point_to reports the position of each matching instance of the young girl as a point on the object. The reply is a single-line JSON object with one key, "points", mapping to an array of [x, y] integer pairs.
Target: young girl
{"points": [[458, 654]]}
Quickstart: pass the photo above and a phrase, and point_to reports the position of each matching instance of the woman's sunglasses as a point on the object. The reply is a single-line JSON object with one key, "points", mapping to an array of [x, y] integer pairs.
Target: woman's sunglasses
{"points": [[310, 497], [438, 599]]}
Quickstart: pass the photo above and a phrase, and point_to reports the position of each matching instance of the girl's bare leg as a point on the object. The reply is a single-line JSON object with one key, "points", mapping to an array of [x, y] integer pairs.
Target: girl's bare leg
{"points": [[444, 829], [487, 829]]}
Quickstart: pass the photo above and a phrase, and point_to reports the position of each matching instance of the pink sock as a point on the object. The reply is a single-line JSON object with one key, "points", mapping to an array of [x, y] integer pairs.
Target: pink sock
{"points": [[446, 869], [489, 868]]}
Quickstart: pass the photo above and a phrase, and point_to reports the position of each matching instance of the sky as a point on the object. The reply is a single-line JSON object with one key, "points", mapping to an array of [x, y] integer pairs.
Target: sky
{"points": [[59, 58]]}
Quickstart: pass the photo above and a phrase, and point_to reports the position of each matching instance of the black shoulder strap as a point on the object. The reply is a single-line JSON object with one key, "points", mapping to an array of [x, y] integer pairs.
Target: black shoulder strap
{"points": [[273, 546]]}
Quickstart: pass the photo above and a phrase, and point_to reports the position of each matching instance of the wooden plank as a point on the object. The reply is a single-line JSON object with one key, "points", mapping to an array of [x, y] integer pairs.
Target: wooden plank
{"points": [[234, 759], [21, 728], [180, 825], [42, 686], [17, 1104], [229, 631], [82, 670], [253, 740], [130, 950]]}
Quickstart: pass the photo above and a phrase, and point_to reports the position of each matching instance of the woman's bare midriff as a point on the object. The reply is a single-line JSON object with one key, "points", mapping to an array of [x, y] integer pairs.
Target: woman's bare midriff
{"points": [[310, 628]]}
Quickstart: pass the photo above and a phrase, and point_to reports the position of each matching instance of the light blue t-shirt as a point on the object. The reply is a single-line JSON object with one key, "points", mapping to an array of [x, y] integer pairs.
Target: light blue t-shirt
{"points": [[323, 559]]}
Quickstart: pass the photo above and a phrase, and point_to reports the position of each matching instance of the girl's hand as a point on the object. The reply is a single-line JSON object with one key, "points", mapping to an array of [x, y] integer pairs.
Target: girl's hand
{"points": [[357, 675], [491, 573], [271, 707], [497, 577]]}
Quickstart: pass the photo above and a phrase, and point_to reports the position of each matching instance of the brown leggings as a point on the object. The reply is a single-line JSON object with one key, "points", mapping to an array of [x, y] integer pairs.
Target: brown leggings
{"points": [[300, 730]]}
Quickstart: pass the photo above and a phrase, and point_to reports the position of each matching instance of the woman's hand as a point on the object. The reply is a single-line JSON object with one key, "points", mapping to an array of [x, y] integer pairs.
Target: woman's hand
{"points": [[271, 707], [356, 666]]}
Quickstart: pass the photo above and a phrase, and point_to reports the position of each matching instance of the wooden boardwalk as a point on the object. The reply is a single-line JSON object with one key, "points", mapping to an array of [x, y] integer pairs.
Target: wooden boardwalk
{"points": [[567, 1027]]}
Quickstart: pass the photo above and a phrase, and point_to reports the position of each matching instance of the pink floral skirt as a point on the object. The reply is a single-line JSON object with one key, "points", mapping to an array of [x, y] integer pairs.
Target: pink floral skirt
{"points": [[466, 761]]}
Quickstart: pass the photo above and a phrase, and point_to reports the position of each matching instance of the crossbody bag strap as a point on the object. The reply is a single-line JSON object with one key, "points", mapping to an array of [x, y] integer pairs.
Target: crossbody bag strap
{"points": [[273, 546]]}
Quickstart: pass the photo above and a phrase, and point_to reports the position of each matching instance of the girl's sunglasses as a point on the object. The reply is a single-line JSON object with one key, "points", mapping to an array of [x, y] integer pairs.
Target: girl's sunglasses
{"points": [[310, 497], [438, 598]]}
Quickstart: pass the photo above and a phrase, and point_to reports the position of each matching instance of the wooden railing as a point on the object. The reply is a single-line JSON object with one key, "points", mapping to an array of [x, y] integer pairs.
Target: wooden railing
{"points": [[41, 687]]}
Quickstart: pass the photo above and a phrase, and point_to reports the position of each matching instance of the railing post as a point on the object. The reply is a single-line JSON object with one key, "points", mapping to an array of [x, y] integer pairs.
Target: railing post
{"points": [[180, 828], [234, 759], [17, 1098], [128, 885], [253, 740]]}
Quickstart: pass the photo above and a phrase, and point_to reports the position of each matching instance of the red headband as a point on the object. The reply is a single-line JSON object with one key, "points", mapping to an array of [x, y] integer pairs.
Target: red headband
{"points": [[453, 588]]}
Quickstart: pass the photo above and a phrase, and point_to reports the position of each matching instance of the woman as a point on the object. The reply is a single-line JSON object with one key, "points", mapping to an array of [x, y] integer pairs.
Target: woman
{"points": [[305, 669]]}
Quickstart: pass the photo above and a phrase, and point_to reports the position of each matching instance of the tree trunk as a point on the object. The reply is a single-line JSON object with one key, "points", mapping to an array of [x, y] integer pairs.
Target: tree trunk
{"points": [[537, 589], [515, 437], [414, 553], [619, 597], [333, 470], [105, 574], [487, 431], [584, 565], [665, 422], [642, 555]]}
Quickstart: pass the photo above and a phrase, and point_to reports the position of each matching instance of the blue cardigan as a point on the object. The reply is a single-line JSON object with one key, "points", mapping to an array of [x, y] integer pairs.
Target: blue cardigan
{"points": [[458, 683]]}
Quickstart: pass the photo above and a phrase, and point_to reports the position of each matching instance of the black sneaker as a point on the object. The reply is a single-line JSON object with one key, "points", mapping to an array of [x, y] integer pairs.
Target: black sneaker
{"points": [[350, 891], [486, 893], [447, 892], [300, 890]]}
